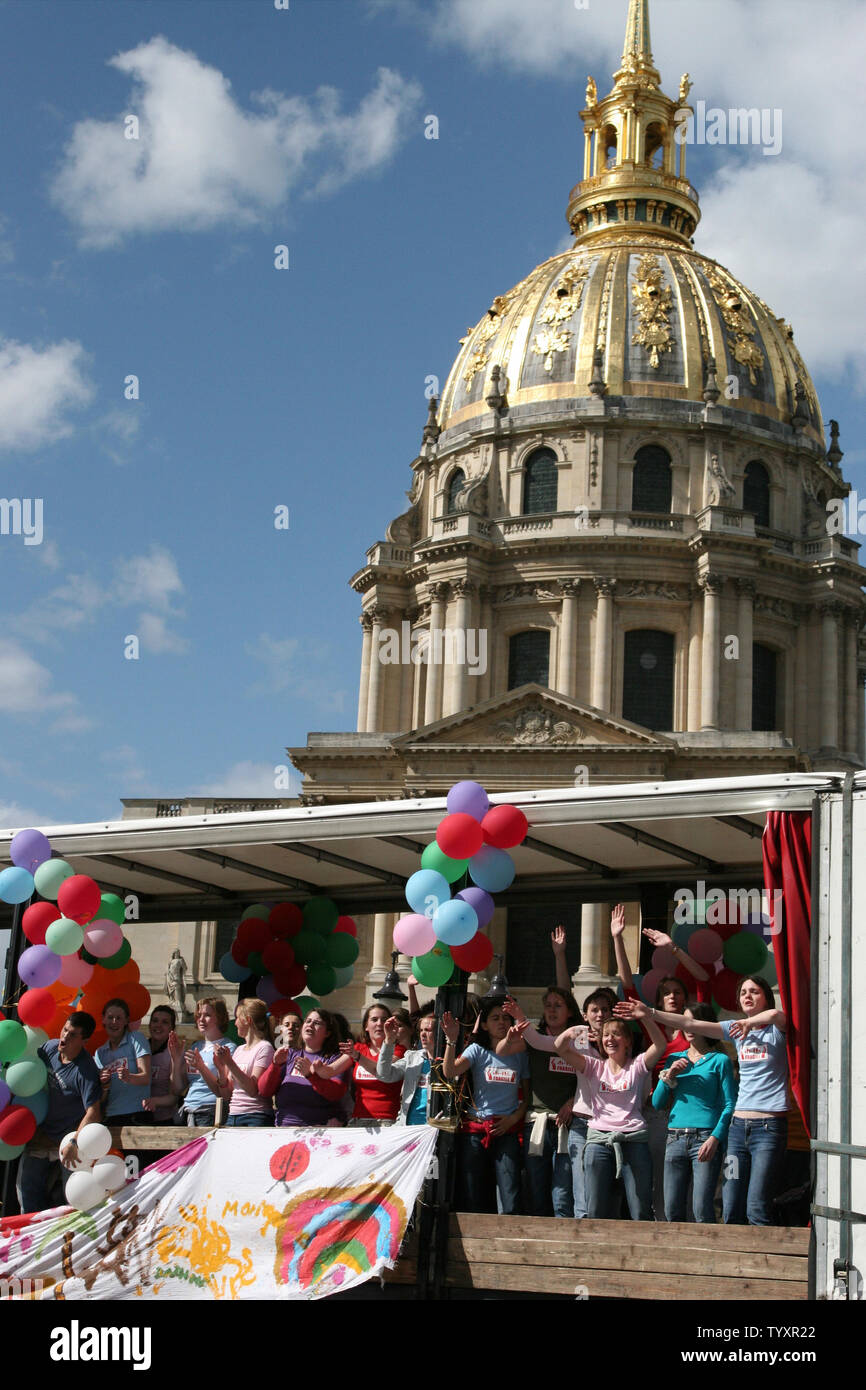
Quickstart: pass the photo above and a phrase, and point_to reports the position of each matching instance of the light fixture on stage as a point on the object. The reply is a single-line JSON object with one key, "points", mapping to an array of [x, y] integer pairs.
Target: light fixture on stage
{"points": [[499, 985], [391, 984]]}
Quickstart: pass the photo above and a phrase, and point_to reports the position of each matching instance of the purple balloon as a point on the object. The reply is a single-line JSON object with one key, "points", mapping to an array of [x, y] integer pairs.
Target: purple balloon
{"points": [[5, 1095], [481, 901], [470, 798], [267, 990], [39, 967], [29, 849]]}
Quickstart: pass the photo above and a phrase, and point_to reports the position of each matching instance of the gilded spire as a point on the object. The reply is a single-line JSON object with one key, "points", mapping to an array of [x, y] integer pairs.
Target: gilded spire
{"points": [[636, 48]]}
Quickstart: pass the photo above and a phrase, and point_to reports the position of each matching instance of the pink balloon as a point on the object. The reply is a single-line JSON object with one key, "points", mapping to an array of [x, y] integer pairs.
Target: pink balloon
{"points": [[650, 983], [705, 946], [75, 971], [103, 937], [664, 960], [414, 935]]}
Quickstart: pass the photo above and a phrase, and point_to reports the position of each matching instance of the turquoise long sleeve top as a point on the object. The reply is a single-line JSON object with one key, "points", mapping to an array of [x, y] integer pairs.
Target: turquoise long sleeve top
{"points": [[704, 1096]]}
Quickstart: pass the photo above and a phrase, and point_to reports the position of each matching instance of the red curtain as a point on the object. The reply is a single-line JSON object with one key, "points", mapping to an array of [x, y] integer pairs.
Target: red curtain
{"points": [[787, 846]]}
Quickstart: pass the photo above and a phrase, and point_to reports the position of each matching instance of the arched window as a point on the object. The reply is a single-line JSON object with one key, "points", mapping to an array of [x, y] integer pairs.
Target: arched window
{"points": [[651, 480], [540, 482], [756, 492], [456, 483], [764, 679], [654, 146], [609, 143], [528, 658], [648, 678]]}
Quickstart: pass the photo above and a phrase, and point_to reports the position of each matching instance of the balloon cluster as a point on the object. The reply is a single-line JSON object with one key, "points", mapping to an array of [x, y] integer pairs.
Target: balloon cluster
{"points": [[292, 950], [729, 949], [99, 1173], [441, 931]]}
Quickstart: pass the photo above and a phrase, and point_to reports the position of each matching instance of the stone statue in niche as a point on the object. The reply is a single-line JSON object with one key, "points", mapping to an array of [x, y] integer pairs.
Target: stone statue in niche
{"points": [[175, 983]]}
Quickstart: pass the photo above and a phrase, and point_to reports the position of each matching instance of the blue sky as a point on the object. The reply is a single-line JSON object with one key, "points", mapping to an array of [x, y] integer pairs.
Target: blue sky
{"points": [[304, 388]]}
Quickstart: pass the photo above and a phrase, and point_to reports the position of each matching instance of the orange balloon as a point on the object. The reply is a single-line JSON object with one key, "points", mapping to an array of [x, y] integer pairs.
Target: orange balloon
{"points": [[62, 992]]}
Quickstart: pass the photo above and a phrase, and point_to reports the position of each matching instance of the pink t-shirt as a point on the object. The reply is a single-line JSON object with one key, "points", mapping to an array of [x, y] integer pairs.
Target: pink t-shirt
{"points": [[249, 1058], [617, 1097]]}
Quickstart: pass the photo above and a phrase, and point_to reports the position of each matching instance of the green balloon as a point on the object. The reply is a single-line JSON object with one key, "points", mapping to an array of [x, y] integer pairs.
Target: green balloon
{"points": [[119, 958], [309, 948], [91, 960], [435, 968], [13, 1040], [344, 974], [36, 1038], [64, 937], [451, 869], [113, 907], [341, 949], [9, 1151], [306, 1003], [255, 964], [231, 1032], [50, 875], [320, 915], [322, 979], [257, 910], [744, 953], [26, 1077]]}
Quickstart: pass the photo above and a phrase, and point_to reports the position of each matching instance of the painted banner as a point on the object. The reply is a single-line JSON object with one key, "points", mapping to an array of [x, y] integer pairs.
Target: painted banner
{"points": [[236, 1213]]}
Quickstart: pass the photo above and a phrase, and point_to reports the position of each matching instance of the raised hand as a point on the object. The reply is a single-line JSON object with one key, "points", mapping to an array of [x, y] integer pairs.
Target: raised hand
{"points": [[557, 940], [450, 1027], [658, 938], [175, 1045], [630, 1008], [617, 920], [392, 1028], [512, 1007]]}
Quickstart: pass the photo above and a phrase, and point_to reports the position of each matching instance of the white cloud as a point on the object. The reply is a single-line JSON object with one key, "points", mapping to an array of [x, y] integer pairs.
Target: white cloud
{"points": [[250, 779], [15, 817], [202, 160], [25, 684], [296, 666], [157, 638], [38, 388], [152, 579]]}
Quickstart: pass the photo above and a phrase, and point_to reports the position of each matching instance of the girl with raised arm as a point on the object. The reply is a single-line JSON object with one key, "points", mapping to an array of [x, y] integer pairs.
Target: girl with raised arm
{"points": [[412, 1070], [240, 1070]]}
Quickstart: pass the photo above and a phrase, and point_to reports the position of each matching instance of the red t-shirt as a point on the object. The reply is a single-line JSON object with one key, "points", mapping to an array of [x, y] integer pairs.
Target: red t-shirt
{"points": [[374, 1099]]}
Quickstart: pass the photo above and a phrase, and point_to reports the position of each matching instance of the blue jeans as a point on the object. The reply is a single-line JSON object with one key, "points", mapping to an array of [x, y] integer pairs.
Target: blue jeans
{"points": [[41, 1182], [682, 1163], [548, 1175], [484, 1173], [599, 1173], [576, 1145], [753, 1164], [259, 1120]]}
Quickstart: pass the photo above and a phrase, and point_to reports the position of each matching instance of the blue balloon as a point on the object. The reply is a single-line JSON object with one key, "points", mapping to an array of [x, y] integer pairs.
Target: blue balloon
{"points": [[38, 1104], [492, 869], [16, 885], [231, 971], [426, 890], [455, 922]]}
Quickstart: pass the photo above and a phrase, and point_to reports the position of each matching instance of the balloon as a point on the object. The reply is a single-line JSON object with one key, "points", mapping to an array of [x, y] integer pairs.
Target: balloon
{"points": [[481, 901], [469, 798], [110, 1171], [29, 849], [138, 1000], [459, 836], [504, 827], [755, 923], [230, 970], [343, 975], [260, 910], [111, 907], [17, 1125], [744, 953], [649, 984], [278, 1008], [98, 1039], [724, 988], [425, 890], [75, 972], [306, 1003], [36, 1104], [231, 1032], [64, 937], [769, 970], [309, 947], [256, 964], [414, 935], [128, 974], [38, 966], [475, 955], [10, 1151], [285, 920], [450, 869], [84, 1191], [321, 978], [434, 968], [277, 956], [26, 1077], [321, 915], [267, 990], [341, 950], [120, 957], [36, 1038], [36, 919], [455, 922], [254, 933], [36, 1007], [705, 946], [13, 1040], [79, 897], [239, 952], [492, 869], [347, 924], [292, 982], [16, 885], [94, 1141], [663, 959], [5, 1095], [103, 937], [50, 876]]}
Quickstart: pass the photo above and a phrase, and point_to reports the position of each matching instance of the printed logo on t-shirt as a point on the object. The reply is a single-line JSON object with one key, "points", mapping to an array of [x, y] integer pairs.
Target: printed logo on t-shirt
{"points": [[502, 1074], [611, 1085], [754, 1052], [557, 1064], [361, 1074]]}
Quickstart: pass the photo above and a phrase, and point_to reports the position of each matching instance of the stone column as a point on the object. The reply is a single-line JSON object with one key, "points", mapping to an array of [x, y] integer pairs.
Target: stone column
{"points": [[457, 688], [694, 687], [712, 587], [433, 701], [745, 611], [602, 654], [851, 728], [485, 681], [408, 674], [829, 735], [587, 153], [594, 948], [861, 716], [374, 699], [364, 689], [567, 681], [383, 945], [801, 614]]}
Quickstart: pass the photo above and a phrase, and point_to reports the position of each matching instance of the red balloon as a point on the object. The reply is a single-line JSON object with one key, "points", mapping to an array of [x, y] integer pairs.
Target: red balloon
{"points": [[347, 924], [97, 1039], [239, 951], [292, 981], [36, 1007], [128, 974], [138, 1000], [724, 989], [278, 957], [254, 934], [504, 827], [17, 1125], [475, 955], [79, 898], [280, 1007], [36, 921], [285, 919], [459, 836]]}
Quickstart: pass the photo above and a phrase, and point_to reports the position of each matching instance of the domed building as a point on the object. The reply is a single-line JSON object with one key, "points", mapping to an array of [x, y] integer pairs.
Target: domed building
{"points": [[616, 563]]}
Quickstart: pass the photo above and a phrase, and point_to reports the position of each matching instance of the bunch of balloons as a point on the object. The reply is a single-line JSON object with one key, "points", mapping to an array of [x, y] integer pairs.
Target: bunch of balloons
{"points": [[23, 1091], [292, 950], [99, 1173], [729, 948], [472, 840]]}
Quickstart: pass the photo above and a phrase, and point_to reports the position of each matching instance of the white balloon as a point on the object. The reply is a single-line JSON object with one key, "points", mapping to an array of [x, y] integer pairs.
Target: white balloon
{"points": [[111, 1172], [36, 1038], [94, 1141], [68, 1138], [83, 1191]]}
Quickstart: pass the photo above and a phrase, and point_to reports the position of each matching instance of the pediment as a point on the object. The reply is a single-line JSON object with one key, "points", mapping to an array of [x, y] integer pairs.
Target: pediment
{"points": [[533, 716]]}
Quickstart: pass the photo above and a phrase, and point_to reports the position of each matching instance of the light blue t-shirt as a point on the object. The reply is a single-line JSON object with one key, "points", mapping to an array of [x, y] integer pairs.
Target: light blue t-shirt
{"points": [[763, 1062], [200, 1096], [124, 1099], [495, 1081], [417, 1114]]}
